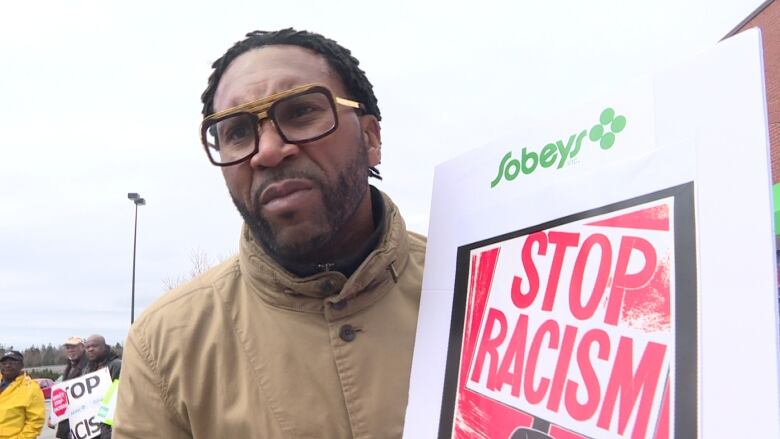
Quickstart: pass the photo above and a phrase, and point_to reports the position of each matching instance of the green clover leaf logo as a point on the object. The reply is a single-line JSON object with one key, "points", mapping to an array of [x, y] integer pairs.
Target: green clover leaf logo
{"points": [[615, 124]]}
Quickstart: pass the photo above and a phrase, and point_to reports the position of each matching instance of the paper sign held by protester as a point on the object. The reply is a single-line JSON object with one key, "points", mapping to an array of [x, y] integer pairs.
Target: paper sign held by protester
{"points": [[598, 276], [79, 400], [572, 320]]}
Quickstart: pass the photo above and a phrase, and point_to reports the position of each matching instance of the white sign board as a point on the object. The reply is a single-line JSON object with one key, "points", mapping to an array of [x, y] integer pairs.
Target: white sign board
{"points": [[79, 400], [610, 274]]}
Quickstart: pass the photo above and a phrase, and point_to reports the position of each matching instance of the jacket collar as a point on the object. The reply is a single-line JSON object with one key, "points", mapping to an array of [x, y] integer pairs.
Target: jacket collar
{"points": [[22, 378], [349, 264], [331, 292]]}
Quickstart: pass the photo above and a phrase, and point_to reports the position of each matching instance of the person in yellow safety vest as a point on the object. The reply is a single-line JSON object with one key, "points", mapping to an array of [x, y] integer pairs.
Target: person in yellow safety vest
{"points": [[22, 412]]}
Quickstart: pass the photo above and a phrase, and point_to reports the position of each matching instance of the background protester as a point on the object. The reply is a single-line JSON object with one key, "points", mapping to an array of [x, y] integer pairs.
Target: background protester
{"points": [[22, 412], [77, 362], [100, 355]]}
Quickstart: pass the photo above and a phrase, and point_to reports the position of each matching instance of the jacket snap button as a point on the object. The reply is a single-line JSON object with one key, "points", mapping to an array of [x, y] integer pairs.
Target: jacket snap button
{"points": [[347, 333], [328, 286], [338, 306]]}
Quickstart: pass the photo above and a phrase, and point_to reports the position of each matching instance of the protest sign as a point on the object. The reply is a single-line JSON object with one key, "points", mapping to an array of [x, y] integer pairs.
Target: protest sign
{"points": [[605, 350], [597, 285], [79, 400]]}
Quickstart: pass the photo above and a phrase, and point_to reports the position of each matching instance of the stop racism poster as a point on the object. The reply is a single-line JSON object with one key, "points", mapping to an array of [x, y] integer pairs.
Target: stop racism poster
{"points": [[570, 327], [79, 400], [610, 273]]}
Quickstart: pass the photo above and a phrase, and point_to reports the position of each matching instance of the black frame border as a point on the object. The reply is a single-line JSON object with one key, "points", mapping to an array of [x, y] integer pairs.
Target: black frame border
{"points": [[686, 382]]}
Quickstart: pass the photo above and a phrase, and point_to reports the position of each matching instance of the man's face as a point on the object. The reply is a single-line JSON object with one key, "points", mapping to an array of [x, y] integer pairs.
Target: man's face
{"points": [[297, 198], [11, 368], [74, 351], [95, 349]]}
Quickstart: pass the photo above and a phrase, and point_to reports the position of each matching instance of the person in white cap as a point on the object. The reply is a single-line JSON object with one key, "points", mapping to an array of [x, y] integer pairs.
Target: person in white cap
{"points": [[77, 362]]}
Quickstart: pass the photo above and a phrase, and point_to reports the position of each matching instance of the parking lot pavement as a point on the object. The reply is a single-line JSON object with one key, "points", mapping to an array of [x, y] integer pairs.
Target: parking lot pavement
{"points": [[47, 433]]}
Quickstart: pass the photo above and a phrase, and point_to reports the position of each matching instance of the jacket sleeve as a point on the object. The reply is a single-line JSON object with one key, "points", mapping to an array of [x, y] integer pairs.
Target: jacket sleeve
{"points": [[143, 408], [35, 416]]}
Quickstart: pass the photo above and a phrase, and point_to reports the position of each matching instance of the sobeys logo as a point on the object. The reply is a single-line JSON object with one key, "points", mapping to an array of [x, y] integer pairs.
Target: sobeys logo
{"points": [[558, 152]]}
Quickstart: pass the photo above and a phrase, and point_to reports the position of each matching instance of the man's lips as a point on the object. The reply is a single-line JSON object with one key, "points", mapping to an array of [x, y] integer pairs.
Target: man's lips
{"points": [[283, 189]]}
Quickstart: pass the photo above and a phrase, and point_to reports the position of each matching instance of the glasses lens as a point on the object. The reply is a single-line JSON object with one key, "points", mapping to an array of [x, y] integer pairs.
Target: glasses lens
{"points": [[232, 138], [304, 117]]}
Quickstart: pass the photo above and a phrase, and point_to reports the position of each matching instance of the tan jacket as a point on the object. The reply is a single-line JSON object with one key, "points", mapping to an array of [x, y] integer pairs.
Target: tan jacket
{"points": [[250, 351]]}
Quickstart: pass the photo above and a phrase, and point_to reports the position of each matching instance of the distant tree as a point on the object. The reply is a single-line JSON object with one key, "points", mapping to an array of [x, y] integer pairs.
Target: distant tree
{"points": [[45, 355], [43, 373], [51, 355], [200, 264], [32, 357]]}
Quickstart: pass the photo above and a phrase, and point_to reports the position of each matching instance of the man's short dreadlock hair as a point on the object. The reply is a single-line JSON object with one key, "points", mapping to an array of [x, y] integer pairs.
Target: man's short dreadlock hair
{"points": [[339, 59]]}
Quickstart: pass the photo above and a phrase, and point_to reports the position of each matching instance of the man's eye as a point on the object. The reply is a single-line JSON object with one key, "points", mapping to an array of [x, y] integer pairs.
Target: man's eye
{"points": [[237, 133], [302, 111], [298, 113]]}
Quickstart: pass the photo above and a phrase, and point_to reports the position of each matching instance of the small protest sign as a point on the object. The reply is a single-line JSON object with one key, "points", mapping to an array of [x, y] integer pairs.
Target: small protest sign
{"points": [[78, 400]]}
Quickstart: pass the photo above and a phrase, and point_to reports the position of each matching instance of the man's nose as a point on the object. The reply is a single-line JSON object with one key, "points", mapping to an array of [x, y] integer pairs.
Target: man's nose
{"points": [[271, 147]]}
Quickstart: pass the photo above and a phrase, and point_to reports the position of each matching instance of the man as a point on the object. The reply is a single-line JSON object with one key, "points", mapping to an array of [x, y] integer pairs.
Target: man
{"points": [[308, 332], [22, 412], [77, 362], [100, 355]]}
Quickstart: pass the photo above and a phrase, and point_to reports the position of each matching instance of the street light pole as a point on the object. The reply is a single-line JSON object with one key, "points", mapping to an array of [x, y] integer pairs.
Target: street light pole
{"points": [[138, 202]]}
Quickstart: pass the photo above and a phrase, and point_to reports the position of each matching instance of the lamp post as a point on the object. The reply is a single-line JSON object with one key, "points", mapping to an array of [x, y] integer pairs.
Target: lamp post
{"points": [[138, 202]]}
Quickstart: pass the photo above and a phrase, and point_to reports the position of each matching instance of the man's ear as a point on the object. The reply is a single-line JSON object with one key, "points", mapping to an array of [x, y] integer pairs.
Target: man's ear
{"points": [[372, 138]]}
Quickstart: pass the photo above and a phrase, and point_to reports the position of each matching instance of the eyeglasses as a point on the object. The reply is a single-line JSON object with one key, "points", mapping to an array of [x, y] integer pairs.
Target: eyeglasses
{"points": [[302, 114]]}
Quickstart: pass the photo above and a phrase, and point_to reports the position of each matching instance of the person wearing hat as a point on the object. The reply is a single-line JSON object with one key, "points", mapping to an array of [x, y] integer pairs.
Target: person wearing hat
{"points": [[77, 363], [22, 412]]}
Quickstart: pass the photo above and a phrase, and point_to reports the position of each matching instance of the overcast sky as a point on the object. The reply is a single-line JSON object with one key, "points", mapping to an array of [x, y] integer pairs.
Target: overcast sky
{"points": [[101, 98]]}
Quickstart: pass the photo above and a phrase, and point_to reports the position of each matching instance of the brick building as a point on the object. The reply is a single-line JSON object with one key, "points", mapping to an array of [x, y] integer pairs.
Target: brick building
{"points": [[767, 18]]}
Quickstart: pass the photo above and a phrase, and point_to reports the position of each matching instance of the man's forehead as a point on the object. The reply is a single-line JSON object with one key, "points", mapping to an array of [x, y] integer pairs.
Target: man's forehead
{"points": [[267, 70]]}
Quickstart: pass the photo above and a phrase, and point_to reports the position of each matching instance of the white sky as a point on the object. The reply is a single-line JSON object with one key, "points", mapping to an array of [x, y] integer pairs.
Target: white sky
{"points": [[102, 98]]}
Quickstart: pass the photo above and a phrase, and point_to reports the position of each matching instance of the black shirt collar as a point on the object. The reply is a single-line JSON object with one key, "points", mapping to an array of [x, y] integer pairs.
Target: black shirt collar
{"points": [[348, 265]]}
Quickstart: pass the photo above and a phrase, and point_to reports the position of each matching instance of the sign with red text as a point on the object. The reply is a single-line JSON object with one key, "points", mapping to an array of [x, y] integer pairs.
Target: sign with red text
{"points": [[610, 273], [579, 327]]}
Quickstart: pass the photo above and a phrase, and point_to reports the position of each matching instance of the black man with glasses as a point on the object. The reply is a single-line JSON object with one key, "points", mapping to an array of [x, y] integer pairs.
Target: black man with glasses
{"points": [[308, 332]]}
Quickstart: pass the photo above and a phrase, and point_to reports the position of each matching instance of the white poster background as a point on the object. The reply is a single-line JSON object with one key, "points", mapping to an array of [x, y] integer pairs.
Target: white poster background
{"points": [[506, 269], [708, 126]]}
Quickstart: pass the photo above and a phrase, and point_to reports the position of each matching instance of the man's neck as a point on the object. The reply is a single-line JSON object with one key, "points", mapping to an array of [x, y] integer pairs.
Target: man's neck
{"points": [[101, 359], [355, 243], [11, 378]]}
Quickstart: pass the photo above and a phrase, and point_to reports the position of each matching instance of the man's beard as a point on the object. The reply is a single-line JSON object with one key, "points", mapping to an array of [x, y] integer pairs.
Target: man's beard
{"points": [[340, 202]]}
